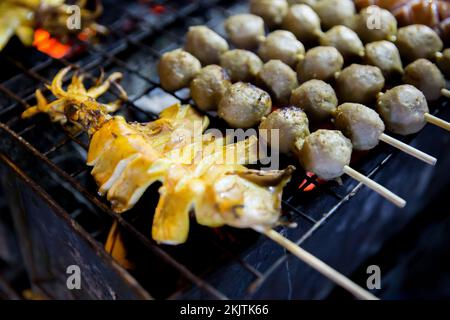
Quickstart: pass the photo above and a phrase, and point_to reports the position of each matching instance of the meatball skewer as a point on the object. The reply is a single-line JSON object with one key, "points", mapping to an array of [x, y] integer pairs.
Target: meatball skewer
{"points": [[327, 153], [404, 110], [426, 76], [364, 127]]}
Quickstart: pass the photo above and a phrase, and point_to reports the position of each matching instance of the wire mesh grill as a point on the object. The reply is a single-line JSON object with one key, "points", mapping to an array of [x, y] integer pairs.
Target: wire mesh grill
{"points": [[140, 33]]}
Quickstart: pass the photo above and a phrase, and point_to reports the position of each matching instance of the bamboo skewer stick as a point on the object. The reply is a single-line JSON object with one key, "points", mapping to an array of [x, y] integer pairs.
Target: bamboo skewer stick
{"points": [[318, 265], [445, 93], [437, 122], [408, 149], [384, 192]]}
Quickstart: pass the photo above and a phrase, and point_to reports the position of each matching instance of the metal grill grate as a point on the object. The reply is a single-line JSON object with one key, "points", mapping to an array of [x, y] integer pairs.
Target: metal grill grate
{"points": [[140, 33]]}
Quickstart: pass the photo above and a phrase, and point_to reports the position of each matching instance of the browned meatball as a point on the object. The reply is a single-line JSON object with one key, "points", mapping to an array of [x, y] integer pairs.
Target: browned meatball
{"points": [[209, 86], [293, 127], [374, 24], [302, 21], [384, 55], [335, 12], [205, 44], [177, 68], [272, 11], [281, 45], [241, 65], [362, 125], [360, 84], [245, 30], [279, 79], [345, 40], [320, 63], [326, 153], [244, 105], [403, 109], [317, 98], [425, 76], [418, 41], [443, 62]]}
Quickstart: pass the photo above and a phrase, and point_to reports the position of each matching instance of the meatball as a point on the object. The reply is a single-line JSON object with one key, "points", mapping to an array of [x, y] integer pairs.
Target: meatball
{"points": [[418, 41], [245, 30], [279, 79], [282, 45], [374, 24], [384, 55], [209, 86], [425, 76], [345, 40], [293, 127], [205, 44], [360, 84], [302, 21], [320, 63], [443, 61], [403, 109], [335, 12], [316, 98], [272, 11], [244, 105], [362, 125], [177, 68], [326, 153], [241, 65]]}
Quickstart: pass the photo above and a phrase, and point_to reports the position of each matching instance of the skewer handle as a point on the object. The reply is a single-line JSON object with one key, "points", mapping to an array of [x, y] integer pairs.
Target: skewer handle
{"points": [[384, 192], [318, 265], [437, 122], [408, 149], [445, 93]]}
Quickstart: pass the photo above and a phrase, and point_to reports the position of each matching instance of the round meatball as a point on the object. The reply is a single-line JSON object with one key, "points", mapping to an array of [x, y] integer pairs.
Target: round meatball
{"points": [[362, 125], [403, 109], [384, 55], [282, 45], [345, 40], [205, 44], [316, 98], [360, 84], [244, 105], [177, 68], [302, 21], [241, 65], [279, 79], [443, 61], [293, 127], [425, 76], [245, 30], [418, 41], [319, 63], [209, 86], [374, 24], [326, 153], [335, 12], [272, 11]]}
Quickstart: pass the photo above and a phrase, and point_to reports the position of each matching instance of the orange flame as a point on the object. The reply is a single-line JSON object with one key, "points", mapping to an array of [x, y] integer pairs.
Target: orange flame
{"points": [[44, 42], [311, 186]]}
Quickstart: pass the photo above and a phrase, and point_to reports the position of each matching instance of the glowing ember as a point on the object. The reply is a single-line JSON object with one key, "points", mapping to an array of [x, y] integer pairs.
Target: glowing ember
{"points": [[158, 9], [310, 186], [48, 45]]}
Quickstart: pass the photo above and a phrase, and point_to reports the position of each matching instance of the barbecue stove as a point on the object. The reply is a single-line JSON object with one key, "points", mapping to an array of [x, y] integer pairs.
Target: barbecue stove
{"points": [[60, 220]]}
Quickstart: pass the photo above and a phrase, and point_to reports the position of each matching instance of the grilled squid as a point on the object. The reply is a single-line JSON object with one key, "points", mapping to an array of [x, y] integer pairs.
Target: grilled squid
{"points": [[196, 170]]}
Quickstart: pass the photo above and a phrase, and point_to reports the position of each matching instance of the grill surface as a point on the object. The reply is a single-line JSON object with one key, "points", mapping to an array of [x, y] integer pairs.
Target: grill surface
{"points": [[140, 32]]}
